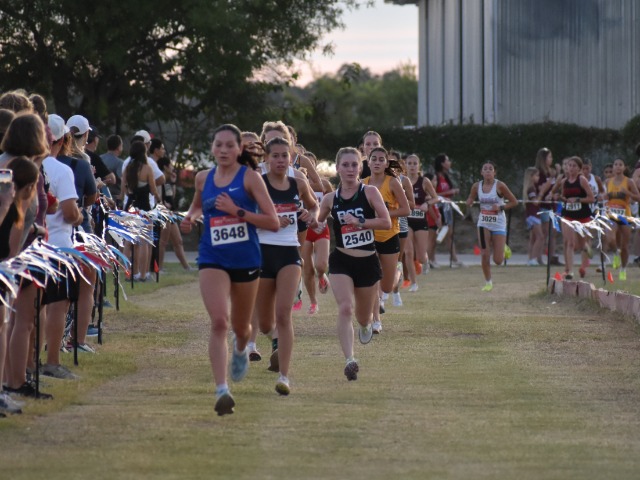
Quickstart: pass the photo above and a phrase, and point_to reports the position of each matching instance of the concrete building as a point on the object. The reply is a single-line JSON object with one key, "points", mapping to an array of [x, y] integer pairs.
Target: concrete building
{"points": [[522, 61]]}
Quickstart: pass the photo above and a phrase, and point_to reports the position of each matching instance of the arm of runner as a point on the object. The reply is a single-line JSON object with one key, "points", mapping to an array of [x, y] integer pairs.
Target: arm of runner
{"points": [[430, 190], [506, 193], [587, 188], [634, 194], [312, 175], [255, 187], [408, 192], [403, 204], [473, 194], [195, 209], [309, 213]]}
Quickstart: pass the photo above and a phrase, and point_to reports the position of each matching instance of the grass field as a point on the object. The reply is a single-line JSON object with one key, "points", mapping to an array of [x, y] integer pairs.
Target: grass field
{"points": [[461, 384]]}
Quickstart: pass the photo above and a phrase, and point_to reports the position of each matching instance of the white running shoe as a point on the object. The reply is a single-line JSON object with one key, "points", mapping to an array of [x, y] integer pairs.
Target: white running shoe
{"points": [[365, 334], [385, 297], [282, 385], [377, 326], [414, 287], [397, 300]]}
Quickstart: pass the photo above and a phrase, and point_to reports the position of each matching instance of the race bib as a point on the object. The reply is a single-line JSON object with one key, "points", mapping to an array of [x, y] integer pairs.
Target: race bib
{"points": [[488, 216], [416, 213], [618, 211], [288, 211], [572, 207], [354, 237], [228, 229]]}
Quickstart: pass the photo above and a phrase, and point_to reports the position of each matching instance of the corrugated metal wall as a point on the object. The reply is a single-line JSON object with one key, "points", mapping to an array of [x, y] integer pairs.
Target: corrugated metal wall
{"points": [[521, 61], [567, 61]]}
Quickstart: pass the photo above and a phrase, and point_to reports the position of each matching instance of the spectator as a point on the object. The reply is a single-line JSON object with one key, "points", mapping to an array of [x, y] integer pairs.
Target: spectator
{"points": [[114, 163]]}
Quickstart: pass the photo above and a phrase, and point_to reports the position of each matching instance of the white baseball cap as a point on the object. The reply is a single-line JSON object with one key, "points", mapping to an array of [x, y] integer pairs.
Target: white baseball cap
{"points": [[57, 126], [80, 122], [144, 134]]}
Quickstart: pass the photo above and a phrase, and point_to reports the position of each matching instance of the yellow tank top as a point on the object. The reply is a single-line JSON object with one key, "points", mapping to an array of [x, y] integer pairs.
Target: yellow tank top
{"points": [[392, 203], [619, 202]]}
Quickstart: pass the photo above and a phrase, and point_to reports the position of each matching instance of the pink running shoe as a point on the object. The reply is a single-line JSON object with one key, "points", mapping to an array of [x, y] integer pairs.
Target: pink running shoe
{"points": [[297, 306], [313, 309]]}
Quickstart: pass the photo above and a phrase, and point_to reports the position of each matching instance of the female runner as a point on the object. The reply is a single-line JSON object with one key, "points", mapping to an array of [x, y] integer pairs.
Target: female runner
{"points": [[425, 196], [281, 264], [354, 268], [446, 188], [229, 260], [387, 242], [576, 196], [492, 222], [620, 191]]}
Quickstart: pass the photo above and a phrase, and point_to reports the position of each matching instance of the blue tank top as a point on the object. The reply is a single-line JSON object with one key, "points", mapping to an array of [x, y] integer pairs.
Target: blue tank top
{"points": [[227, 240]]}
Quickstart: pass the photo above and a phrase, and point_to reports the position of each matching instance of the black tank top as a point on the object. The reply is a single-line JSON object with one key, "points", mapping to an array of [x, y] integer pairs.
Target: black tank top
{"points": [[289, 195], [572, 210], [358, 206], [418, 192]]}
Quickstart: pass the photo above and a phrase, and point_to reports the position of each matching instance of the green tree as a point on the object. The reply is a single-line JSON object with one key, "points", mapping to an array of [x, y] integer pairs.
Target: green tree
{"points": [[353, 99], [123, 63]]}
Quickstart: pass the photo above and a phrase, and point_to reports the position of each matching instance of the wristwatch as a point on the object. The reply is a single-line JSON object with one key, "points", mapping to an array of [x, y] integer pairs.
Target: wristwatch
{"points": [[240, 213], [361, 220]]}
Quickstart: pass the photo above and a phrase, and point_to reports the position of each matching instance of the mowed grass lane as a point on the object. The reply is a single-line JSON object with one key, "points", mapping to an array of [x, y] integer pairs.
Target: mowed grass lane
{"points": [[461, 384]]}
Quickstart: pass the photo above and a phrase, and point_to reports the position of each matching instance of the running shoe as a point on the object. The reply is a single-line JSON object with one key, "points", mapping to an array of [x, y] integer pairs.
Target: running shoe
{"points": [[487, 287], [384, 297], [224, 403], [58, 371], [92, 331], [406, 284], [28, 390], [532, 263], [418, 267], [297, 306], [376, 327], [274, 362], [568, 276], [313, 309], [239, 365], [381, 310], [365, 334], [507, 252], [282, 386], [8, 405], [397, 300], [457, 263], [622, 275], [351, 370], [254, 356], [582, 271], [414, 287], [617, 262], [434, 265], [323, 283], [106, 303]]}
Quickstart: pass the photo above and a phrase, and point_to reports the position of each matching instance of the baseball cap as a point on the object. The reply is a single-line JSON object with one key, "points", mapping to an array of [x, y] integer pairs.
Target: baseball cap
{"points": [[80, 122], [144, 134], [57, 126]]}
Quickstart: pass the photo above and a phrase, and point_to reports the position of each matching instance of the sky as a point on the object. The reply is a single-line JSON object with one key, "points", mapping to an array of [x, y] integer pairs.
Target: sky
{"points": [[379, 38]]}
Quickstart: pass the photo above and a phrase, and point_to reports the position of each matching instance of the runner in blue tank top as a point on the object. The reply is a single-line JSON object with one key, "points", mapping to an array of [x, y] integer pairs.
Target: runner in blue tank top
{"points": [[230, 196]]}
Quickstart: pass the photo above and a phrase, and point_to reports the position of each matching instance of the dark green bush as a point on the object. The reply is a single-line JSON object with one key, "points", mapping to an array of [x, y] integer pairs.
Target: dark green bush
{"points": [[511, 148]]}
